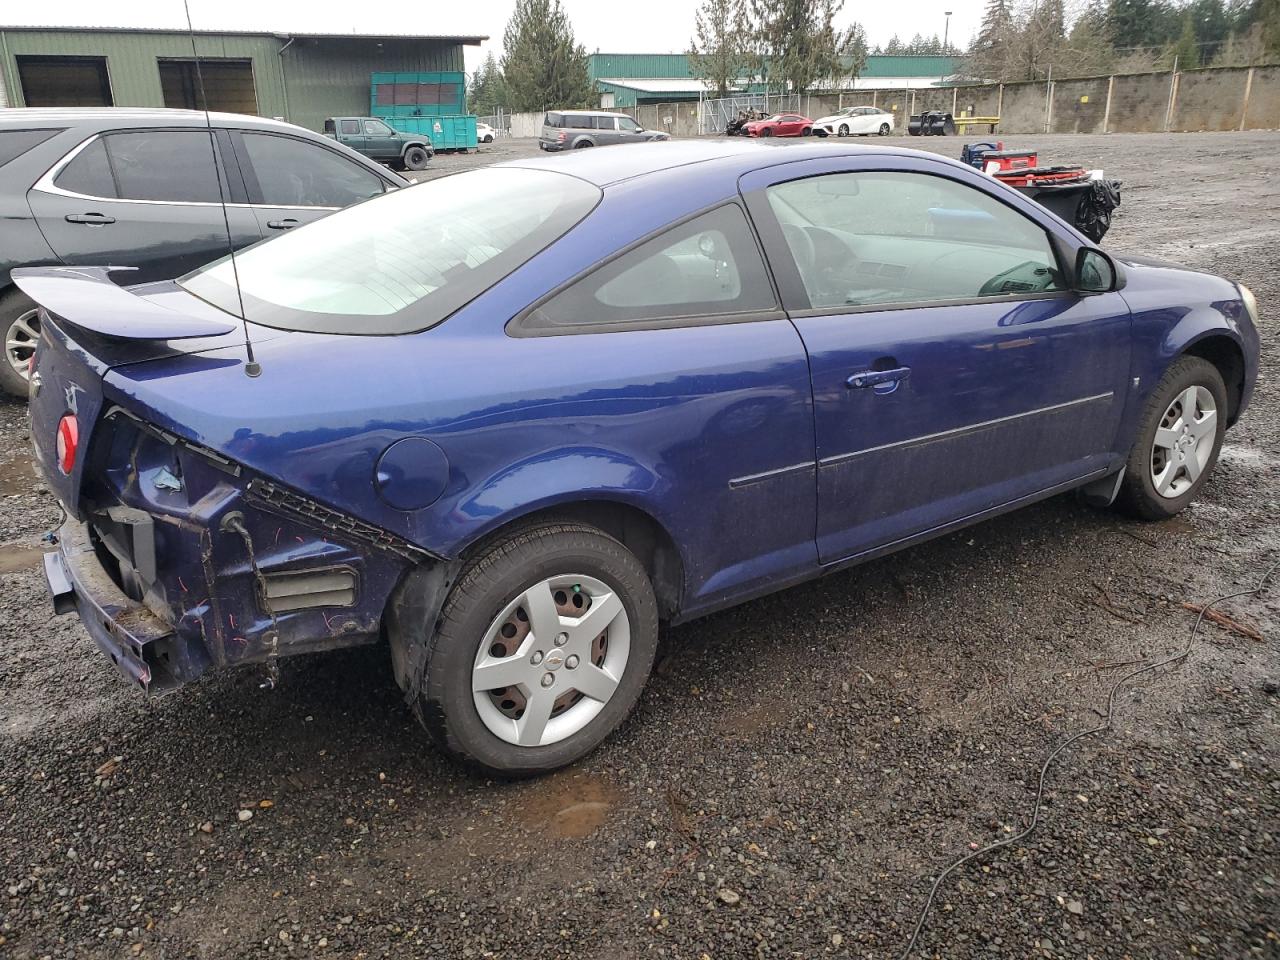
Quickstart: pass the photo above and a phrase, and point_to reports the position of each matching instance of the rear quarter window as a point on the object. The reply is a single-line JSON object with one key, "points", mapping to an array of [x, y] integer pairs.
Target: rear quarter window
{"points": [[14, 143], [554, 120]]}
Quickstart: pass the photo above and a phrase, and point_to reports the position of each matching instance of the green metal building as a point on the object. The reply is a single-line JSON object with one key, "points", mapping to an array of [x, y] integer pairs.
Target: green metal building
{"points": [[300, 77], [633, 79]]}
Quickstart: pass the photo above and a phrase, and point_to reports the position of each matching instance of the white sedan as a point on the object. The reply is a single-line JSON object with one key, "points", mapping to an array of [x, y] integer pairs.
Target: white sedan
{"points": [[484, 133], [861, 121]]}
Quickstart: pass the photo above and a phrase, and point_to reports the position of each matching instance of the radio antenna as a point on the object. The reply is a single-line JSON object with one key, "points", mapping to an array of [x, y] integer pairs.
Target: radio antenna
{"points": [[251, 367]]}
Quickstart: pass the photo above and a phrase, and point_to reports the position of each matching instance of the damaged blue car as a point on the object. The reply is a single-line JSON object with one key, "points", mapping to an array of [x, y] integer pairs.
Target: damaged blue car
{"points": [[507, 422]]}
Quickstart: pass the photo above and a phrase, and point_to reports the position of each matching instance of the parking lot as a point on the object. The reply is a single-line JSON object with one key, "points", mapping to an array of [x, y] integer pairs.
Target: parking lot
{"points": [[797, 771]]}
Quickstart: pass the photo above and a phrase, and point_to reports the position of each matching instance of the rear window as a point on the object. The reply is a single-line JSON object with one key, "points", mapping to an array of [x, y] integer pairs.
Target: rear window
{"points": [[400, 262], [14, 143]]}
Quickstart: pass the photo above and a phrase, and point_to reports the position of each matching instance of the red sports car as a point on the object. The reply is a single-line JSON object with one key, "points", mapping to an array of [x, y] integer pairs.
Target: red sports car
{"points": [[780, 125]]}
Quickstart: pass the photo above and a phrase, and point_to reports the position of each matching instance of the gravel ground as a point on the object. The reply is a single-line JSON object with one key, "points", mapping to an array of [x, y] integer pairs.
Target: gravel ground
{"points": [[797, 771]]}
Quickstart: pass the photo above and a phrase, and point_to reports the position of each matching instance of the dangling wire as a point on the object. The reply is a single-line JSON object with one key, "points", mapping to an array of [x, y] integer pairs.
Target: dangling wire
{"points": [[1108, 720], [252, 367]]}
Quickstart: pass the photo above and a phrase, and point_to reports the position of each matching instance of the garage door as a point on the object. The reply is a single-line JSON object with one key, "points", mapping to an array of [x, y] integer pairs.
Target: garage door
{"points": [[228, 85], [64, 81]]}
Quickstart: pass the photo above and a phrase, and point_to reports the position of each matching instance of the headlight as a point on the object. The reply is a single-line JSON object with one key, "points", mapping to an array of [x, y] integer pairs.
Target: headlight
{"points": [[1250, 303]]}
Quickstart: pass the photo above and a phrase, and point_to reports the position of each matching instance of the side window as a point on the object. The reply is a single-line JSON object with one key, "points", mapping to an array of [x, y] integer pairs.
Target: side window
{"points": [[604, 123], [173, 166], [862, 239], [294, 173], [376, 128], [627, 124], [350, 127], [89, 173], [707, 267]]}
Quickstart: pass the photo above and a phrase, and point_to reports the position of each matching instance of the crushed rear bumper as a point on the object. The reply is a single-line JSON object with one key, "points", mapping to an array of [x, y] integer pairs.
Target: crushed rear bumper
{"points": [[136, 640]]}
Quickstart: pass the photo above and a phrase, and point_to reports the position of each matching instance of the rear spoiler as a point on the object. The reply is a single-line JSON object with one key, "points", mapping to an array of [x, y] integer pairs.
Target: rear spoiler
{"points": [[87, 297]]}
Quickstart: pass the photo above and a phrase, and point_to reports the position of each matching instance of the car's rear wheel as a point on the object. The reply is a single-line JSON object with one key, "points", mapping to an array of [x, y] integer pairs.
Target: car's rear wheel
{"points": [[21, 326], [544, 645], [583, 144], [1178, 442], [844, 130], [415, 158], [488, 138], [884, 129], [807, 132]]}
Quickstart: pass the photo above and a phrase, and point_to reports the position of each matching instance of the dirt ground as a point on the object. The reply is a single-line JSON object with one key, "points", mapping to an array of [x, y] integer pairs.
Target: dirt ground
{"points": [[798, 769]]}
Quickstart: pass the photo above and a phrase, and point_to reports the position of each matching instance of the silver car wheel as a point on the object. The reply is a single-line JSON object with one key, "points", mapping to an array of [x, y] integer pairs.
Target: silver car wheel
{"points": [[551, 660], [1184, 442], [20, 341]]}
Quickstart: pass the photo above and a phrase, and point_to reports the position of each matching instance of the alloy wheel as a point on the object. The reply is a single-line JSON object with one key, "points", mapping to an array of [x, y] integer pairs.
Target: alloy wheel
{"points": [[551, 660], [1184, 442], [20, 341], [844, 130]]}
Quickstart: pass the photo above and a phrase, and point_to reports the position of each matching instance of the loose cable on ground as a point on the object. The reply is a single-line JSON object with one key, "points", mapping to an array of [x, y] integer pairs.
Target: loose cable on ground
{"points": [[1109, 717]]}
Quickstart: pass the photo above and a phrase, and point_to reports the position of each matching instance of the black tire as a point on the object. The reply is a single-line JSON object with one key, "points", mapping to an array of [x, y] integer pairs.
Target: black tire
{"points": [[843, 131], [1138, 495], [15, 305], [807, 132], [445, 704], [489, 139], [767, 132], [415, 158], [583, 144], [884, 129]]}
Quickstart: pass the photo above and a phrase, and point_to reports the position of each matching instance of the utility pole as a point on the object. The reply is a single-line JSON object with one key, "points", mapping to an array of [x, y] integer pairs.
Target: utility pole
{"points": [[946, 32]]}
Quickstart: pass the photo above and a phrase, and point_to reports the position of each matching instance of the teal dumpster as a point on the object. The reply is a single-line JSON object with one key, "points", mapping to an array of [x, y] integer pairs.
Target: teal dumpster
{"points": [[446, 132]]}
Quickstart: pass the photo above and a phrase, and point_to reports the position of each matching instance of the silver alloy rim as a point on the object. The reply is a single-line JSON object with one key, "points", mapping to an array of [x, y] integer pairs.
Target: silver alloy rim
{"points": [[844, 130], [551, 660], [1184, 442], [20, 341]]}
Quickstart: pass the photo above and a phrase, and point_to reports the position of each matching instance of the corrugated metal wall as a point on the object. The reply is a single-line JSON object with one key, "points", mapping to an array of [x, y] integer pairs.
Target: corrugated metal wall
{"points": [[324, 77], [328, 78], [635, 66]]}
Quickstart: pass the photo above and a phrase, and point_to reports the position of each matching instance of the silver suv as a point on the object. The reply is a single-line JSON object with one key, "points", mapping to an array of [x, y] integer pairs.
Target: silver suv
{"points": [[573, 129]]}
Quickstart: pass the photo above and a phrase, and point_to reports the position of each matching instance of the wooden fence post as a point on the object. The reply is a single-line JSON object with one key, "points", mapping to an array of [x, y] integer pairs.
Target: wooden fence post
{"points": [[1244, 107], [1106, 113], [1000, 101]]}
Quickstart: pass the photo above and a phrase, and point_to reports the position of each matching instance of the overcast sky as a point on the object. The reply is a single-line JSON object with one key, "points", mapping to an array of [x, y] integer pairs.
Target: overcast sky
{"points": [[650, 26]]}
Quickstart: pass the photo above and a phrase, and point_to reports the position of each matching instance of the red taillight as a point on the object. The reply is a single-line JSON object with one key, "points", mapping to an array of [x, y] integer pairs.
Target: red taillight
{"points": [[68, 441], [560, 137]]}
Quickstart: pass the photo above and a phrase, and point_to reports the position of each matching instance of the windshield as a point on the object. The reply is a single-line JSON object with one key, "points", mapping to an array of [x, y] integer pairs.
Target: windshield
{"points": [[403, 261]]}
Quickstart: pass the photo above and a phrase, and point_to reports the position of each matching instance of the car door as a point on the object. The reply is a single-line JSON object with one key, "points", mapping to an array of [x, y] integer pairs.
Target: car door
{"points": [[291, 181], [148, 199], [953, 370], [380, 141], [629, 131], [860, 121], [351, 134]]}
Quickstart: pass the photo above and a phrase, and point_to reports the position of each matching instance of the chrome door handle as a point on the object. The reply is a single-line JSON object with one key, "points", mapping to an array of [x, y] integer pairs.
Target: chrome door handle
{"points": [[288, 224], [877, 378]]}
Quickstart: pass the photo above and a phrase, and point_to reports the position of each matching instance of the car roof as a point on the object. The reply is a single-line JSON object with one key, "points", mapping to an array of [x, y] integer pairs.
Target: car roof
{"points": [[736, 155], [104, 117]]}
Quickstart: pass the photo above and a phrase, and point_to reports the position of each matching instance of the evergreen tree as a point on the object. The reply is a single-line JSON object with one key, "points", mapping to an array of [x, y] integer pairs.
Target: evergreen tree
{"points": [[488, 89], [1184, 54], [798, 42], [992, 53], [718, 53], [542, 65]]}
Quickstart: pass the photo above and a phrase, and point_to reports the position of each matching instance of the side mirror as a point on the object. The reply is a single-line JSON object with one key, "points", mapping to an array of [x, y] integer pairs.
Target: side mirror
{"points": [[1095, 271]]}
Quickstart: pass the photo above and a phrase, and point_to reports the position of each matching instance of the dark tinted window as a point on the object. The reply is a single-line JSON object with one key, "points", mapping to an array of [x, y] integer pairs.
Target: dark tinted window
{"points": [[554, 120], [350, 126], [709, 266], [89, 173], [14, 143], [603, 123], [170, 165], [293, 173]]}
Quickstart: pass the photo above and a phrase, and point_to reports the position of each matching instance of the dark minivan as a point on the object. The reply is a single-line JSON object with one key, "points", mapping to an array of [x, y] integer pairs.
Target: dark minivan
{"points": [[137, 188]]}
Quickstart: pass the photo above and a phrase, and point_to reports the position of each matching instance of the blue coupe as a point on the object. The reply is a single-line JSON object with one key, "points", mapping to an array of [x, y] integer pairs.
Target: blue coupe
{"points": [[507, 422]]}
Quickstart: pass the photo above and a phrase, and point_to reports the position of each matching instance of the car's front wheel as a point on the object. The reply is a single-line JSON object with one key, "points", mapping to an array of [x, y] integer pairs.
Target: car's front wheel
{"points": [[1178, 442], [21, 325], [544, 645], [844, 130], [884, 129], [415, 158]]}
